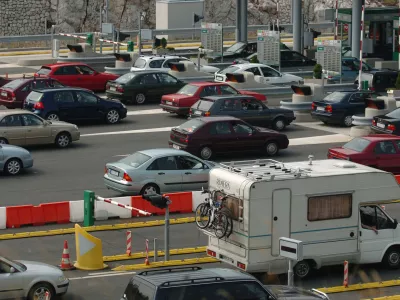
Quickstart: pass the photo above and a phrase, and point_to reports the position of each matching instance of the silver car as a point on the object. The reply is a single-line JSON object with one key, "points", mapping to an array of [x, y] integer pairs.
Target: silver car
{"points": [[13, 159], [157, 171], [30, 280]]}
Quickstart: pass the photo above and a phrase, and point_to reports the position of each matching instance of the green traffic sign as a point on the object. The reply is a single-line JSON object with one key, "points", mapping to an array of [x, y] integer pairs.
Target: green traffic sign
{"points": [[260, 38], [204, 31], [320, 48]]}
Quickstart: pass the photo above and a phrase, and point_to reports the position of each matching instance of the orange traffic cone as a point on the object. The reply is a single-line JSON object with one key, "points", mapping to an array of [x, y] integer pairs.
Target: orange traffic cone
{"points": [[65, 262]]}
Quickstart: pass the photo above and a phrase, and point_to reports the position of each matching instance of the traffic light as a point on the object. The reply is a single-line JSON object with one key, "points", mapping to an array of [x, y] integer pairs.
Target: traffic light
{"points": [[156, 200], [49, 24], [121, 37], [275, 27], [197, 18], [315, 33]]}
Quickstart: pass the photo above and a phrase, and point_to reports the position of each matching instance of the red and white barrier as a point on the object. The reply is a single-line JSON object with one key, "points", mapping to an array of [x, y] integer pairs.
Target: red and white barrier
{"points": [[129, 242], [113, 42], [346, 274], [126, 206], [74, 36], [146, 261]]}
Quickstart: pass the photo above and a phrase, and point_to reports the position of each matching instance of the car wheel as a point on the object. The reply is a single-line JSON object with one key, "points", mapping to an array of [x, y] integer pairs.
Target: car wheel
{"points": [[112, 116], [150, 189], [13, 166], [3, 141], [271, 148], [302, 269], [279, 124], [206, 152], [39, 290], [139, 98], [52, 117], [63, 140], [392, 258], [347, 121]]}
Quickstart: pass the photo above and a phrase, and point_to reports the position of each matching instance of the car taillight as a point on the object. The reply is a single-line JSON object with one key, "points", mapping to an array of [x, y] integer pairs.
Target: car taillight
{"points": [[211, 253], [126, 177], [372, 88], [105, 170], [38, 105], [190, 111], [120, 89], [207, 114], [391, 127], [241, 266], [373, 122], [313, 106], [328, 108]]}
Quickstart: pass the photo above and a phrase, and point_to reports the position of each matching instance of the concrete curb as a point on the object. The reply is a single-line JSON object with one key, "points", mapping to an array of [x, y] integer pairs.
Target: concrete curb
{"points": [[361, 286]]}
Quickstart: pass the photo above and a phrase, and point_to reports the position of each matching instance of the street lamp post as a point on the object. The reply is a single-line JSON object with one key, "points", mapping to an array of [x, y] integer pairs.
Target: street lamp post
{"points": [[142, 15]]}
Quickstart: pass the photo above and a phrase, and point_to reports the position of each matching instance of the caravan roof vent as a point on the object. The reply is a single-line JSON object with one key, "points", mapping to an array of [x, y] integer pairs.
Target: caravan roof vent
{"points": [[345, 165]]}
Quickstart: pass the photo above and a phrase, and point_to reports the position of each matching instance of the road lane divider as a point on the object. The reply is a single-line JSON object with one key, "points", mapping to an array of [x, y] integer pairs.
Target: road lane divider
{"points": [[360, 286], [139, 255], [170, 263], [109, 227]]}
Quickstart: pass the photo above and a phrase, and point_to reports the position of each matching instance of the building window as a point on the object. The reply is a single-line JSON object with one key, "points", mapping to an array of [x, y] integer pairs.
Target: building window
{"points": [[329, 207]]}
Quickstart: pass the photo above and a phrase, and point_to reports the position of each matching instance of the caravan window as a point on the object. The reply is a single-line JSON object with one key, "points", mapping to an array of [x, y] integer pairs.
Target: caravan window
{"points": [[231, 203], [329, 207]]}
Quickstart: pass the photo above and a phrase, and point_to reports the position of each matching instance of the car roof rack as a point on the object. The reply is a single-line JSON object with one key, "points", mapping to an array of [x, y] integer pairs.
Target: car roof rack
{"points": [[169, 270], [264, 169], [194, 280]]}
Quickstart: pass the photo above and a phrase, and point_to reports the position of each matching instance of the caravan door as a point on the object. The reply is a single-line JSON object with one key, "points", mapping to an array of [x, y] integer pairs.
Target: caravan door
{"points": [[281, 206], [376, 232]]}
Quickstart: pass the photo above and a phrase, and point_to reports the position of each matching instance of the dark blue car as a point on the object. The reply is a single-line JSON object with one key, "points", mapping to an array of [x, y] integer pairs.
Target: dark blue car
{"points": [[74, 104]]}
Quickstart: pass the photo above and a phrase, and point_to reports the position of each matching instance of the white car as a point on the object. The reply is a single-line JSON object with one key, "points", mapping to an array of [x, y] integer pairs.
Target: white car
{"points": [[270, 75], [161, 63]]}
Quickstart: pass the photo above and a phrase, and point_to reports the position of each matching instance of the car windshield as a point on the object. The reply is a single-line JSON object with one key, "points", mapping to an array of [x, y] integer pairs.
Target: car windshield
{"points": [[335, 97], [188, 90], [35, 96], [357, 144], [14, 84], [140, 63], [231, 69], [125, 78], [191, 126], [236, 47], [44, 71], [394, 114], [7, 260], [135, 160]]}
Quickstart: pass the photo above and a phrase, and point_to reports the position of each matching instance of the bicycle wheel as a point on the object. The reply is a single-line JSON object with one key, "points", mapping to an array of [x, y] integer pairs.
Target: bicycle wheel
{"points": [[202, 215], [228, 213], [221, 224]]}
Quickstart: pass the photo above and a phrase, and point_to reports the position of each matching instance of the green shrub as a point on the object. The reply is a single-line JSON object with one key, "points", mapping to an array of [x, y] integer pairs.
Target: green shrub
{"points": [[317, 72], [254, 60], [163, 43]]}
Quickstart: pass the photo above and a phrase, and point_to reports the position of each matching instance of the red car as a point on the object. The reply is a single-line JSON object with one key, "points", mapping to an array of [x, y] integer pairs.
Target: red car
{"points": [[13, 93], [181, 102], [380, 151], [77, 75]]}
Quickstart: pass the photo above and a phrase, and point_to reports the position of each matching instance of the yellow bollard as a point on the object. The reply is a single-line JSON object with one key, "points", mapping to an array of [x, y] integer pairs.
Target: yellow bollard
{"points": [[89, 251]]}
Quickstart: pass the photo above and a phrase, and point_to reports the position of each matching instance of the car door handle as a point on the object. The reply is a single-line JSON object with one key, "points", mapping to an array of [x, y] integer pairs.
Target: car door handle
{"points": [[161, 173], [188, 173]]}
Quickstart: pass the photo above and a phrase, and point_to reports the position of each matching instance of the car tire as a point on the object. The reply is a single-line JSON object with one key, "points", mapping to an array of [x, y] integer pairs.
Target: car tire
{"points": [[3, 141], [139, 98], [302, 269], [392, 258], [279, 124], [206, 153], [271, 148], [63, 140], [112, 116], [347, 121], [39, 290], [150, 188], [52, 116], [13, 166]]}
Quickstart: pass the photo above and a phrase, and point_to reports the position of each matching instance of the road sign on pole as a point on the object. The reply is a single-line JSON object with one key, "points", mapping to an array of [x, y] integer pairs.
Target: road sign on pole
{"points": [[212, 37], [292, 250], [268, 47], [329, 56], [346, 27]]}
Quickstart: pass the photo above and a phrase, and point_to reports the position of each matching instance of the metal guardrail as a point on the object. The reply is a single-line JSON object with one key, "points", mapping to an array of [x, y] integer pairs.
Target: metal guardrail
{"points": [[176, 31]]}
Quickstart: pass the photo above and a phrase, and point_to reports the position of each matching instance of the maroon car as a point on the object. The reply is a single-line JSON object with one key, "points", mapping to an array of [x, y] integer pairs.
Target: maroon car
{"points": [[207, 136], [13, 93]]}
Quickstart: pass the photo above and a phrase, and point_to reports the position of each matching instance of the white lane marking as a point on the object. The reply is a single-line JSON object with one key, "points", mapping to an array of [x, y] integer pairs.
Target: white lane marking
{"points": [[322, 139], [162, 129], [146, 112], [110, 274], [124, 155], [106, 273]]}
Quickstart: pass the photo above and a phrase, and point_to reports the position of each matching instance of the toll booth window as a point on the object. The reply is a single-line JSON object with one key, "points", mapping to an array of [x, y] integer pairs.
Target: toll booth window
{"points": [[329, 207], [232, 203]]}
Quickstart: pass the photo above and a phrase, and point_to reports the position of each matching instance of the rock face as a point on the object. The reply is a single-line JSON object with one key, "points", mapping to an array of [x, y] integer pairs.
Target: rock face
{"points": [[25, 17]]}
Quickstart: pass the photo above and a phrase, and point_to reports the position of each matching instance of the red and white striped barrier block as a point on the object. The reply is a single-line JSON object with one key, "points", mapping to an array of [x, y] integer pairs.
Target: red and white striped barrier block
{"points": [[129, 242], [113, 42], [74, 36]]}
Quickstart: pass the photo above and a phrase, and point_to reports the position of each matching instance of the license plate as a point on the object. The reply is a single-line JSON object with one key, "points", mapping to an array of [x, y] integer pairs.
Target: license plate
{"points": [[4, 94], [113, 88], [112, 172], [380, 125], [220, 78], [197, 113], [168, 103], [176, 147], [321, 108]]}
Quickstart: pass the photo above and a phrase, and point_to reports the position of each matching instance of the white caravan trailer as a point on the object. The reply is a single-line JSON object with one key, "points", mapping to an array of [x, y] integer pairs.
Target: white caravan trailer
{"points": [[322, 203]]}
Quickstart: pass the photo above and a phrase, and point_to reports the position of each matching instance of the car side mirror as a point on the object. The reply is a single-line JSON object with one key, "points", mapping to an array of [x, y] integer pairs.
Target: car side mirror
{"points": [[12, 270]]}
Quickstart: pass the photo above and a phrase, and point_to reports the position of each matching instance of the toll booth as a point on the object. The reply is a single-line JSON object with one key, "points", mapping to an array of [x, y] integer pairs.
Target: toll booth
{"points": [[379, 25]]}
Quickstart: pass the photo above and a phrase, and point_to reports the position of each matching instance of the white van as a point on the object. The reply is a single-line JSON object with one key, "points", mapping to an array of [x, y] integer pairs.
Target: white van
{"points": [[333, 206]]}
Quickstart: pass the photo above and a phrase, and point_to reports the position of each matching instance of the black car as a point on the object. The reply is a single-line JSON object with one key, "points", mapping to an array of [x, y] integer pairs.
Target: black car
{"points": [[243, 107], [140, 87], [289, 59], [196, 283], [389, 123], [339, 107], [73, 104]]}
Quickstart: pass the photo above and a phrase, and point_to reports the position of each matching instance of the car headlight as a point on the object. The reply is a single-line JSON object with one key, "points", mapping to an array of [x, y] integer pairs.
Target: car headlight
{"points": [[62, 279], [123, 105], [76, 127]]}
